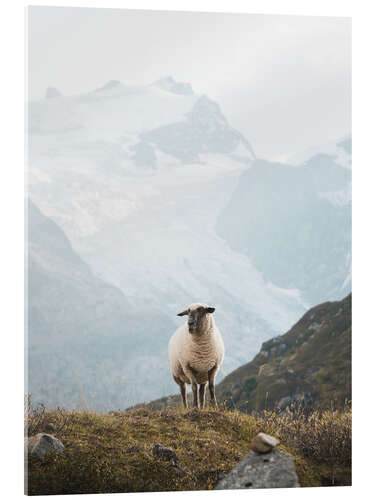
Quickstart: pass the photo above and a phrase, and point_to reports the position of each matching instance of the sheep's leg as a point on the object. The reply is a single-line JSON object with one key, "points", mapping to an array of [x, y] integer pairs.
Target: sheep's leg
{"points": [[183, 393], [202, 390], [182, 387], [211, 386], [194, 387], [191, 373]]}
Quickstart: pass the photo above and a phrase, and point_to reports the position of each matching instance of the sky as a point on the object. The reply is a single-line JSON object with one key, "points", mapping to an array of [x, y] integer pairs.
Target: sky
{"points": [[283, 81]]}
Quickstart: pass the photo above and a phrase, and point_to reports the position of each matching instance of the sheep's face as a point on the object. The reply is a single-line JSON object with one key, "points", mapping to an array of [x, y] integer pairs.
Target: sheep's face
{"points": [[198, 317]]}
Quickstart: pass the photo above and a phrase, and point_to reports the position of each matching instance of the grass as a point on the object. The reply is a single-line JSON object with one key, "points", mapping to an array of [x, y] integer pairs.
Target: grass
{"points": [[111, 452]]}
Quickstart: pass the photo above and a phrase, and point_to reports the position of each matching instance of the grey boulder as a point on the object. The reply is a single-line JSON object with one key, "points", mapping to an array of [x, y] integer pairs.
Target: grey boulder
{"points": [[41, 444], [268, 470]]}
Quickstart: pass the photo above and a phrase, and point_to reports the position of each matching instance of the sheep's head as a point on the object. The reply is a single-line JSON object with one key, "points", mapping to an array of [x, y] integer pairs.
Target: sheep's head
{"points": [[199, 318]]}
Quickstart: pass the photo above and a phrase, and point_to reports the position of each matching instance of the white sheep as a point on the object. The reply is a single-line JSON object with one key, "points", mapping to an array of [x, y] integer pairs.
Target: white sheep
{"points": [[196, 352]]}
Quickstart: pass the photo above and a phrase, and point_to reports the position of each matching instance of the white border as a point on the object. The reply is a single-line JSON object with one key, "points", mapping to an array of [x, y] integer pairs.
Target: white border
{"points": [[12, 111]]}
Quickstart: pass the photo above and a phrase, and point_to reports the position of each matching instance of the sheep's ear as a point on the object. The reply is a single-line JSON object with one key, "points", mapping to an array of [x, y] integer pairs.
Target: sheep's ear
{"points": [[183, 313], [210, 309]]}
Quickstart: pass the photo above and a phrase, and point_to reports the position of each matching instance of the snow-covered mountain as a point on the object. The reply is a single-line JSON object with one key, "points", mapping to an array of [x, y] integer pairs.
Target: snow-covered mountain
{"points": [[137, 177]]}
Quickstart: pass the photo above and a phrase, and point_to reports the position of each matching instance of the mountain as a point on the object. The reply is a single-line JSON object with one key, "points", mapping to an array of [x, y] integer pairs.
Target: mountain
{"points": [[295, 224], [340, 150], [310, 365], [136, 178], [86, 342], [204, 129]]}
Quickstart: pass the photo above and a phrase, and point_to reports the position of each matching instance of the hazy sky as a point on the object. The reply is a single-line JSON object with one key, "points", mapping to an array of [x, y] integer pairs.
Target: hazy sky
{"points": [[283, 81]]}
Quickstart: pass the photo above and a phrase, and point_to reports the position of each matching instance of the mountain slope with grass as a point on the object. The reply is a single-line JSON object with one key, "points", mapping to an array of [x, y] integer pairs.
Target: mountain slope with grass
{"points": [[309, 365]]}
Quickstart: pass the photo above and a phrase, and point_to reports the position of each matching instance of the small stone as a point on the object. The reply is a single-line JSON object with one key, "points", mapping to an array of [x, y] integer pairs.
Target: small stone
{"points": [[50, 426], [41, 444], [164, 453], [263, 443]]}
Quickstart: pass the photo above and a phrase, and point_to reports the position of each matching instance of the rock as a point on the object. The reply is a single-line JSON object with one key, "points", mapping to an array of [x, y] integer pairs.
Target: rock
{"points": [[41, 444], [284, 402], [272, 470], [168, 455], [50, 426], [263, 443], [164, 453]]}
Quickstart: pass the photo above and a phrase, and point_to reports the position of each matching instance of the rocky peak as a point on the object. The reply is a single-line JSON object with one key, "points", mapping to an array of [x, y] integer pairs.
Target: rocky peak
{"points": [[52, 92], [170, 85], [207, 113]]}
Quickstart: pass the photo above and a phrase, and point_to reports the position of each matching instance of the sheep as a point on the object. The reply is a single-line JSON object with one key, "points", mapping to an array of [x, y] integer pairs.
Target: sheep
{"points": [[196, 352]]}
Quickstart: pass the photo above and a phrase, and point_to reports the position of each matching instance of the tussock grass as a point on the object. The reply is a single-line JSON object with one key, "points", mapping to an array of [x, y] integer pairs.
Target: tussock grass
{"points": [[111, 452]]}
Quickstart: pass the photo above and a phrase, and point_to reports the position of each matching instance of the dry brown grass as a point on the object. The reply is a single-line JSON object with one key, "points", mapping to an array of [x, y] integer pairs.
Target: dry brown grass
{"points": [[111, 452]]}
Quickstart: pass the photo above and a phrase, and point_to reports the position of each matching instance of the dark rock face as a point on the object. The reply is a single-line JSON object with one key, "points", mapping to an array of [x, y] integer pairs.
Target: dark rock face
{"points": [[269, 470], [205, 130]]}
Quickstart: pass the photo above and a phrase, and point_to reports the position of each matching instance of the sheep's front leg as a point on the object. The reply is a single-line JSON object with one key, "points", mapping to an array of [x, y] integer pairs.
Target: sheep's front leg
{"points": [[194, 387], [202, 390], [191, 373], [211, 386], [183, 393], [182, 387]]}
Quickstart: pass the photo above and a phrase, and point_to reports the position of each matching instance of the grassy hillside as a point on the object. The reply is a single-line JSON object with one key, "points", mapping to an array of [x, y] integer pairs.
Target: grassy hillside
{"points": [[309, 366], [111, 452]]}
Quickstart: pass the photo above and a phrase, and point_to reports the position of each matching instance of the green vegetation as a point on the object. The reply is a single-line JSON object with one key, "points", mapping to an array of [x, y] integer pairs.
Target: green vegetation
{"points": [[111, 452]]}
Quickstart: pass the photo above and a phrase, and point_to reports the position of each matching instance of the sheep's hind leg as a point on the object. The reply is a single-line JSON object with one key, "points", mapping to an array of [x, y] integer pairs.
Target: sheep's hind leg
{"points": [[202, 390]]}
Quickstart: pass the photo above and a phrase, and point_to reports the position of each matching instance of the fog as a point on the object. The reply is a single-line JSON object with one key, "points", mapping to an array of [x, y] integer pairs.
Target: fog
{"points": [[284, 81]]}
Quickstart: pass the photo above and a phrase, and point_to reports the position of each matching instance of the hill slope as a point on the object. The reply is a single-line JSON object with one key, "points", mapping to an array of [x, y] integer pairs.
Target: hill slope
{"points": [[310, 364]]}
